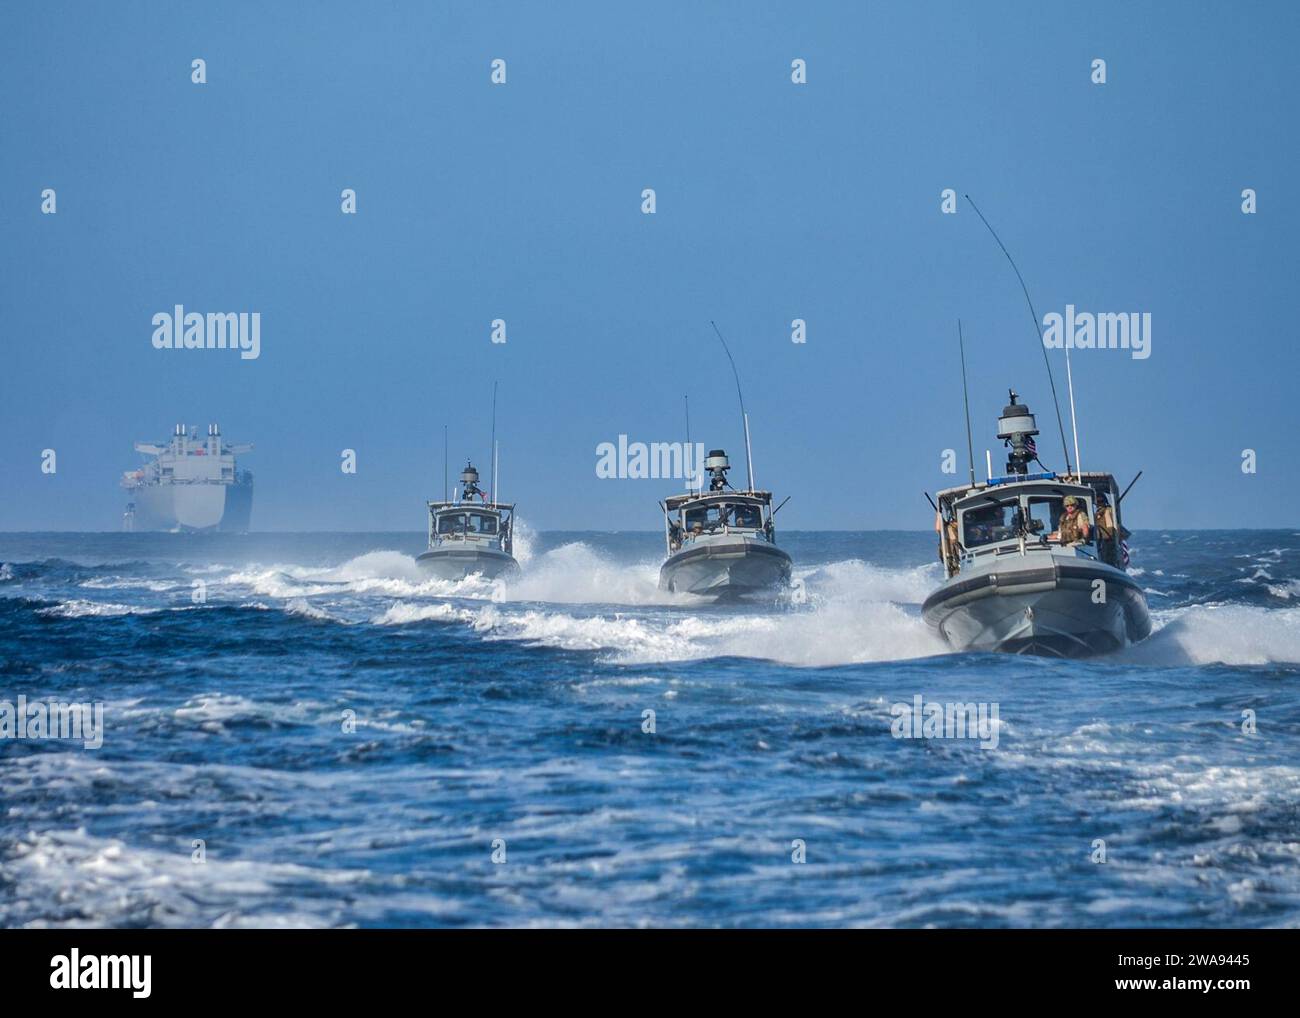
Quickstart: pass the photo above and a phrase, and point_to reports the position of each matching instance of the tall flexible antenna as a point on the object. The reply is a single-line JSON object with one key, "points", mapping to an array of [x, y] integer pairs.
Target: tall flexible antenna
{"points": [[444, 463], [744, 417], [1069, 381], [493, 458], [965, 395], [1034, 314], [689, 450], [749, 459]]}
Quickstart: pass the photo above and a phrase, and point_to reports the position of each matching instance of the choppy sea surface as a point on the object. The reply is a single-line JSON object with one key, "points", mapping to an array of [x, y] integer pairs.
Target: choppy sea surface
{"points": [[353, 743]]}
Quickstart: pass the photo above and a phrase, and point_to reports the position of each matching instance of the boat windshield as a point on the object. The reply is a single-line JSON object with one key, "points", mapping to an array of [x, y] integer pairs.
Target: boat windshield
{"points": [[990, 523], [1044, 513], [460, 523], [482, 523], [712, 518], [706, 518], [451, 523], [747, 517]]}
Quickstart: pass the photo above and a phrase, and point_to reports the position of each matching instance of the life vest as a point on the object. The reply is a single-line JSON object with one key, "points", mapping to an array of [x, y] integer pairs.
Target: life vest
{"points": [[1071, 527], [1106, 522]]}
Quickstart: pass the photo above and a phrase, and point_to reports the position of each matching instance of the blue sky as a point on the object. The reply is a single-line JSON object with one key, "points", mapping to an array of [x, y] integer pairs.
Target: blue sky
{"points": [[522, 201]]}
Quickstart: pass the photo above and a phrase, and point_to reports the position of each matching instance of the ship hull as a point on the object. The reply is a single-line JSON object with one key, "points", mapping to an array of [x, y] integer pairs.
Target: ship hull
{"points": [[726, 569], [1052, 610], [458, 563], [223, 508]]}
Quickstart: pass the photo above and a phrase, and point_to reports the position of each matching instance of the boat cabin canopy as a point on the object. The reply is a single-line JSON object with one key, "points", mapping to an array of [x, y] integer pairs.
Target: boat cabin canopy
{"points": [[1087, 485], [674, 502], [471, 521], [1003, 512], [735, 510], [453, 521], [717, 512], [1006, 510]]}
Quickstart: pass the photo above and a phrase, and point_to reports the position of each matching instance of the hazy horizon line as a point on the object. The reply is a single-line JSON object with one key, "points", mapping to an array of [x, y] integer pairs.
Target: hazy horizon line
{"points": [[657, 531]]}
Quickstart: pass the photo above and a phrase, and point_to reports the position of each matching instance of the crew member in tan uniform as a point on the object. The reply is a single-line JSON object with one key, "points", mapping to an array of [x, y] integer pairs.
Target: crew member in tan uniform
{"points": [[1107, 532], [1073, 526], [953, 561]]}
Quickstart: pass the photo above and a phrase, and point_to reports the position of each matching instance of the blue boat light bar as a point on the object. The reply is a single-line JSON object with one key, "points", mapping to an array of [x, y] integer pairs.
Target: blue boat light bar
{"points": [[1047, 475]]}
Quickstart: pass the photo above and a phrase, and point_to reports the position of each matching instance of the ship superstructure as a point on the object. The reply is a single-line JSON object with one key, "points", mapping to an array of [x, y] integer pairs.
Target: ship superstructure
{"points": [[191, 483]]}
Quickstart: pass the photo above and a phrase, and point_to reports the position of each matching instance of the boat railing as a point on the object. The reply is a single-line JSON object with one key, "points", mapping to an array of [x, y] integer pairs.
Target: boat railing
{"points": [[969, 556], [170, 481], [500, 538], [687, 538]]}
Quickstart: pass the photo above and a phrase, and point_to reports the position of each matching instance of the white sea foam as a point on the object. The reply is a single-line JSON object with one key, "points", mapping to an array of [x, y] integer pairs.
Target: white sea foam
{"points": [[851, 614], [78, 609], [217, 708], [402, 613], [858, 580], [577, 574], [127, 583], [112, 880], [301, 606], [213, 711], [839, 613], [387, 573], [1221, 634], [850, 617], [523, 540]]}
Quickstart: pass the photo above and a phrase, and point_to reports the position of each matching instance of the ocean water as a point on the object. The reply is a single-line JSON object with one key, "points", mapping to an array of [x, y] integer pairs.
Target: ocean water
{"points": [[508, 720]]}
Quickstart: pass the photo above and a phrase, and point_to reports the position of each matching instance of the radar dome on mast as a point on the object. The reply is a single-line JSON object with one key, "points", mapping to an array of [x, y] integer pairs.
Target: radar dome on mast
{"points": [[1016, 427], [469, 481], [717, 464]]}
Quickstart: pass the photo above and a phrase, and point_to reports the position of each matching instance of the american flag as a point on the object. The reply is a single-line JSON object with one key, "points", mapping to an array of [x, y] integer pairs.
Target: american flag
{"points": [[1031, 446], [1123, 554]]}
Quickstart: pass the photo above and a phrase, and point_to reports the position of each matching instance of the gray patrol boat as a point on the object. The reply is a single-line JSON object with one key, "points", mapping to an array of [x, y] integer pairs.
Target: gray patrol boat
{"points": [[722, 542], [468, 536], [1011, 584]]}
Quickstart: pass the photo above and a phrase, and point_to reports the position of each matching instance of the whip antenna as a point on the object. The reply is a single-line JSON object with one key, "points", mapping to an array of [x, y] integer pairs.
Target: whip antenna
{"points": [[1034, 314], [687, 453], [744, 417], [493, 458], [1074, 427], [970, 447]]}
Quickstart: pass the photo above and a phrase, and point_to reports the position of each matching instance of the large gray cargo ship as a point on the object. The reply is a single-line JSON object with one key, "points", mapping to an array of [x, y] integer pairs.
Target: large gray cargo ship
{"points": [[191, 483]]}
